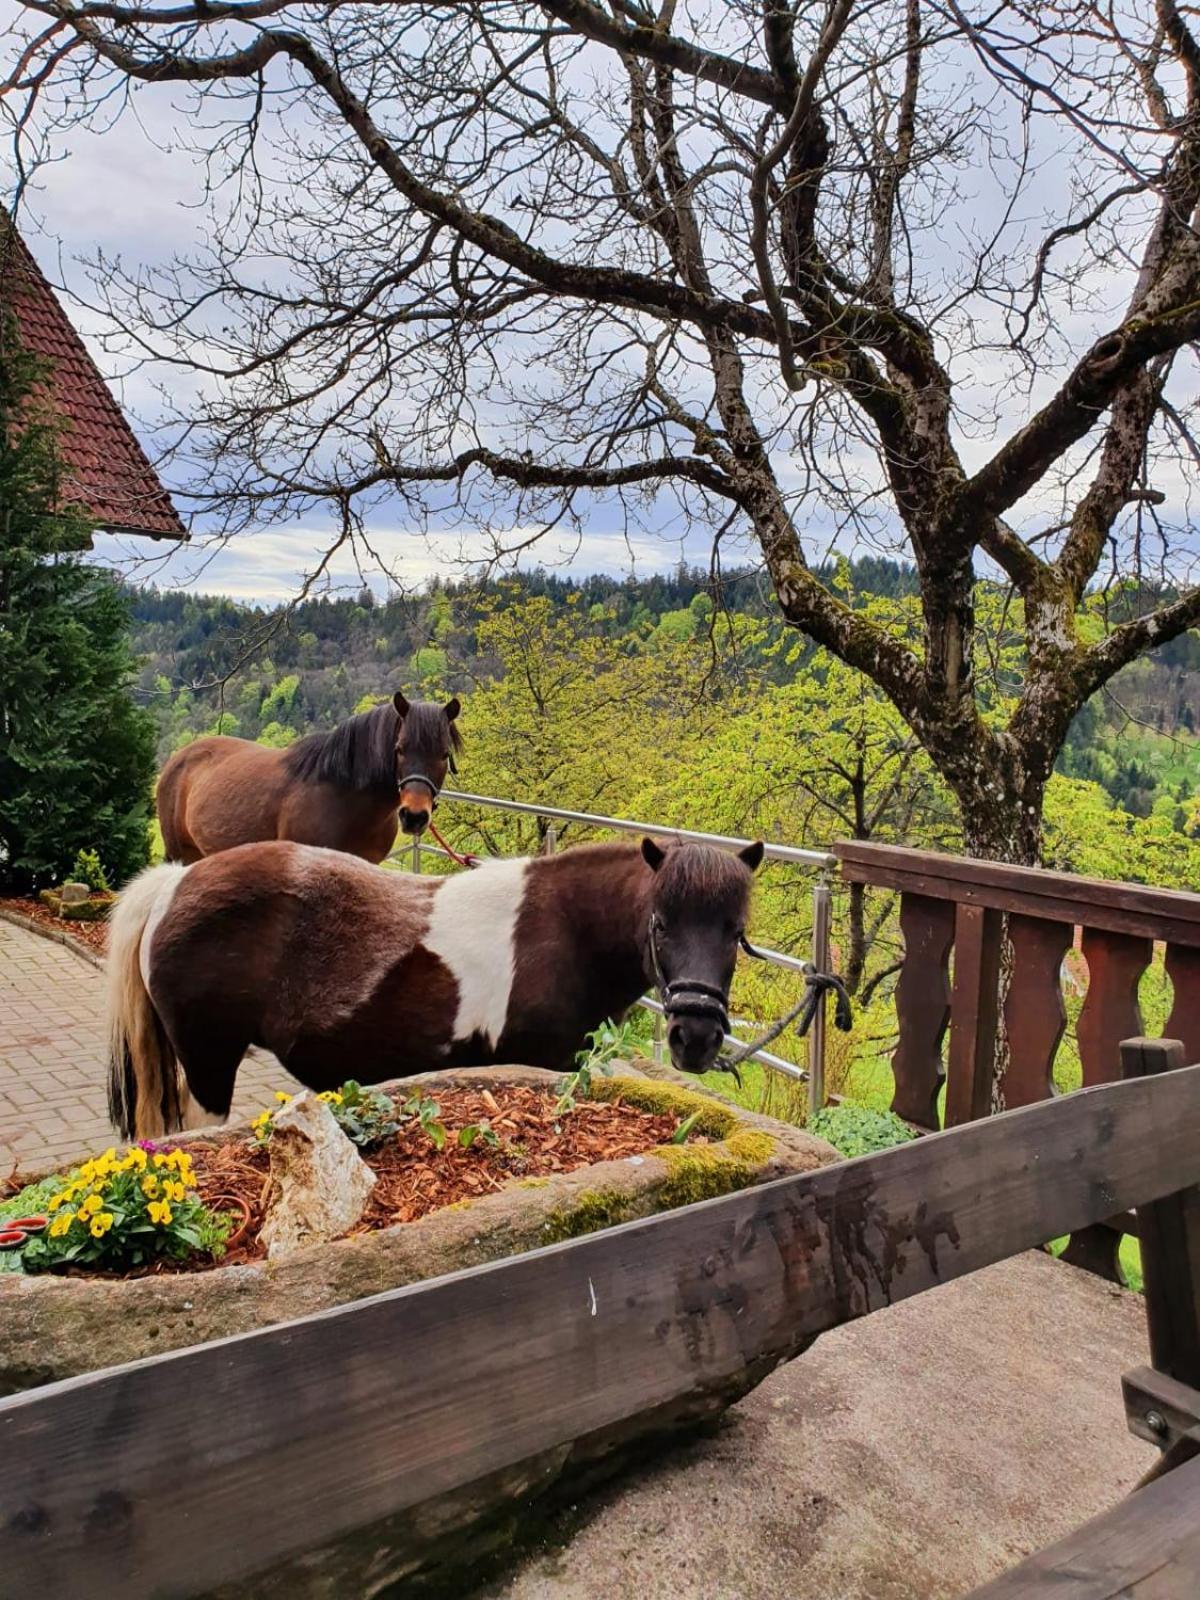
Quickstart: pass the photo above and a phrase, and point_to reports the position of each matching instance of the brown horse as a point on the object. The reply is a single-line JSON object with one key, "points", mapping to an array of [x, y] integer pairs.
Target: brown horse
{"points": [[345, 789], [344, 971]]}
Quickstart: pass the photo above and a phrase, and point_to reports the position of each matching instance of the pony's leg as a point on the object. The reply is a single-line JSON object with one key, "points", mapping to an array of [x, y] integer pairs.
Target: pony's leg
{"points": [[210, 1064]]}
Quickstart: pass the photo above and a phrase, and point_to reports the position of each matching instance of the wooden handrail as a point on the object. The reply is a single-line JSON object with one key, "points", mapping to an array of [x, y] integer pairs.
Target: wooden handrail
{"points": [[1171, 915]]}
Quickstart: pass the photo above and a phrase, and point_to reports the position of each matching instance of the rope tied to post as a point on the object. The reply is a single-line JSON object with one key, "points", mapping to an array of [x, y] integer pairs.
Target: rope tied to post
{"points": [[462, 860], [816, 985]]}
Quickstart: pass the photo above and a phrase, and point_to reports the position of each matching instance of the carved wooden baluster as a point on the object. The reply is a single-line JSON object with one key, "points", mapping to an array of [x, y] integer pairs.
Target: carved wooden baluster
{"points": [[975, 1010], [1110, 1014], [922, 1007], [1034, 1013], [1183, 969]]}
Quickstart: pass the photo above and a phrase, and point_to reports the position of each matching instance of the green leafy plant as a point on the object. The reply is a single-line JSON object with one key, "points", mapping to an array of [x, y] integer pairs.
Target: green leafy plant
{"points": [[428, 1114], [609, 1042], [117, 1212], [857, 1131], [478, 1132], [366, 1116], [89, 869], [685, 1127]]}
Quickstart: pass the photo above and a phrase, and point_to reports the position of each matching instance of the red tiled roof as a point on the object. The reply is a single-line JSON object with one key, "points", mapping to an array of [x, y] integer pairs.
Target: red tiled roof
{"points": [[106, 468]]}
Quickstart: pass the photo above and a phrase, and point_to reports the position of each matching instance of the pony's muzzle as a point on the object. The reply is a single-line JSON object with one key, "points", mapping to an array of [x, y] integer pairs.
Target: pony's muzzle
{"points": [[694, 1042], [414, 818]]}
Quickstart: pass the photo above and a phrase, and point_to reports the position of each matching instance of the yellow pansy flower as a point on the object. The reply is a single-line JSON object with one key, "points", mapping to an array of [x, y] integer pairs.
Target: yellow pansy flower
{"points": [[160, 1212], [60, 1224], [174, 1191], [57, 1200], [91, 1205], [160, 1160], [137, 1158], [101, 1224], [150, 1185]]}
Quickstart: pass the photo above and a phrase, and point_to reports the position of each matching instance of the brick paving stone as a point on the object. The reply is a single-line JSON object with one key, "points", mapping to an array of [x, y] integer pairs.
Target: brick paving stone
{"points": [[52, 1091]]}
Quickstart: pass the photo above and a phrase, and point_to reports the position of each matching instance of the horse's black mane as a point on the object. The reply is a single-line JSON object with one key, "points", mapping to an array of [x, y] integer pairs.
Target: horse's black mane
{"points": [[360, 753]]}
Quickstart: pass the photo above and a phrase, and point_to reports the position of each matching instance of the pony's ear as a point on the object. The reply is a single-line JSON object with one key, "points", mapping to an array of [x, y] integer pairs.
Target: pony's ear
{"points": [[652, 854], [452, 708], [401, 704], [752, 855]]}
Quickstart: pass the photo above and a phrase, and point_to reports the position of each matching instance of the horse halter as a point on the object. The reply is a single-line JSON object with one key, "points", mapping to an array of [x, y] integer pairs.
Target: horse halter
{"points": [[686, 997], [410, 778]]}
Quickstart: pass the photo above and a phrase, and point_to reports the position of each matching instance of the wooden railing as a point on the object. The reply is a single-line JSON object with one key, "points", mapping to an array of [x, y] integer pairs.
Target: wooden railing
{"points": [[954, 906]]}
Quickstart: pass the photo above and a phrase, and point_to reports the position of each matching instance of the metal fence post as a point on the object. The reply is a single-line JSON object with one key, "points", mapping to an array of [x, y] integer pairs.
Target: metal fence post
{"points": [[822, 905], [550, 842], [416, 853]]}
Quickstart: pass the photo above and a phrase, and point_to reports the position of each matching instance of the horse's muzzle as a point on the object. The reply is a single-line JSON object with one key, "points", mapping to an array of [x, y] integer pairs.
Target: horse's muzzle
{"points": [[694, 1042], [413, 819]]}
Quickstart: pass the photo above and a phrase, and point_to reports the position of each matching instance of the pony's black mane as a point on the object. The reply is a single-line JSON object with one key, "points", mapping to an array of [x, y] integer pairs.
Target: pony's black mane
{"points": [[360, 753]]}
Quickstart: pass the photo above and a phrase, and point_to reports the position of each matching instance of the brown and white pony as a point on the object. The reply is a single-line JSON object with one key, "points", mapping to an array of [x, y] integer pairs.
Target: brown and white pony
{"points": [[343, 971], [346, 789]]}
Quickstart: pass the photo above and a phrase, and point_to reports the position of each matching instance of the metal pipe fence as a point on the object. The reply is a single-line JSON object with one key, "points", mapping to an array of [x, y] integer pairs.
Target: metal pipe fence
{"points": [[819, 956]]}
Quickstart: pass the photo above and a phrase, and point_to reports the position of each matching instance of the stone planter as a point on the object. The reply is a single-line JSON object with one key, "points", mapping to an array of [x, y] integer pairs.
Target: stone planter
{"points": [[53, 1328], [88, 907]]}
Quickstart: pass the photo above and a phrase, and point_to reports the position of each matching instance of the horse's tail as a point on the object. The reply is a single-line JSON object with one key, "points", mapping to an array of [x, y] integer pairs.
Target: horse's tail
{"points": [[147, 1091]]}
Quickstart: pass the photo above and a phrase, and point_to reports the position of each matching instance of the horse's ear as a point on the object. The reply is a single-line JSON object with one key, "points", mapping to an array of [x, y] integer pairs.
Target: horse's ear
{"points": [[401, 704], [652, 854], [752, 855], [452, 708]]}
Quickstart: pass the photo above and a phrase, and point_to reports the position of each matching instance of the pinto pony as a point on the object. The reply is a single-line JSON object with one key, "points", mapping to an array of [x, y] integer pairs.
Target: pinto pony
{"points": [[346, 789], [344, 971]]}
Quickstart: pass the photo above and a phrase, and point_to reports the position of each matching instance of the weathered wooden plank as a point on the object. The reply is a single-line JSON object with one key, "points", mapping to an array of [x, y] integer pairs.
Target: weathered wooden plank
{"points": [[1111, 1014], [1158, 1409], [922, 1008], [1146, 1548], [1169, 914], [334, 1422], [974, 1014], [1035, 1015], [1169, 1231], [1183, 969]]}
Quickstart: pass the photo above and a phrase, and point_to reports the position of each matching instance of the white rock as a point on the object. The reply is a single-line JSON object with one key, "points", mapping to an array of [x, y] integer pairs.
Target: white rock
{"points": [[74, 894], [319, 1183]]}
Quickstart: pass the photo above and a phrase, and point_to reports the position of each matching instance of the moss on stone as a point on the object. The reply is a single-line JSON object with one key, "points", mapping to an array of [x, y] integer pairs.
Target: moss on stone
{"points": [[590, 1211], [532, 1183], [702, 1171], [715, 1121]]}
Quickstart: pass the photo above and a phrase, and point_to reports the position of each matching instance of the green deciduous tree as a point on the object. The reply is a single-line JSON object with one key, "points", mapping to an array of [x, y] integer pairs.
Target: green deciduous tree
{"points": [[76, 755]]}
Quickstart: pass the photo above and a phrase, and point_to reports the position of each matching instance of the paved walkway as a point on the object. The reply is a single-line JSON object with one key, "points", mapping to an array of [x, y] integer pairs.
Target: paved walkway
{"points": [[52, 1089]]}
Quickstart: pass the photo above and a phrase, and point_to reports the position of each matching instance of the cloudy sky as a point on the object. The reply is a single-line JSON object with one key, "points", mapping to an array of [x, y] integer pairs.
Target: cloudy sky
{"points": [[127, 192], [126, 188]]}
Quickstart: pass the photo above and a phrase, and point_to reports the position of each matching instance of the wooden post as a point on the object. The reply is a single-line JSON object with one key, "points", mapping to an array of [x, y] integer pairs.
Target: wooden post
{"points": [[1169, 1231], [974, 1010], [922, 1007]]}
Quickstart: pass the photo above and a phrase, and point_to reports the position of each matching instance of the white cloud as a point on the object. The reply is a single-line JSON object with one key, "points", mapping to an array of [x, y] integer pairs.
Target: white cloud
{"points": [[265, 568]]}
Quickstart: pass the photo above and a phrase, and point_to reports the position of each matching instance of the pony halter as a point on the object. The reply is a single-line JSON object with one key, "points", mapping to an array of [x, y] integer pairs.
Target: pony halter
{"points": [[410, 778], [686, 997]]}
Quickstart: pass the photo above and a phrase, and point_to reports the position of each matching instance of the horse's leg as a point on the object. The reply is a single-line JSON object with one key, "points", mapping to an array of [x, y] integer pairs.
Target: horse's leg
{"points": [[209, 1059]]}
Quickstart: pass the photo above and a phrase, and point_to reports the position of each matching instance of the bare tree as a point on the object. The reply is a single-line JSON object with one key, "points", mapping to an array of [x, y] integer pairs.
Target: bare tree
{"points": [[837, 273]]}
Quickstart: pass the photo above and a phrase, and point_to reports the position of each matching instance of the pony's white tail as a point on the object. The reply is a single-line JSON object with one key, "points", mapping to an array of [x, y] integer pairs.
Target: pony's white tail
{"points": [[147, 1091]]}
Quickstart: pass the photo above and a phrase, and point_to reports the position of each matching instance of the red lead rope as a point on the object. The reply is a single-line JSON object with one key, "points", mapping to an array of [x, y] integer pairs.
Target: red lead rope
{"points": [[463, 861]]}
